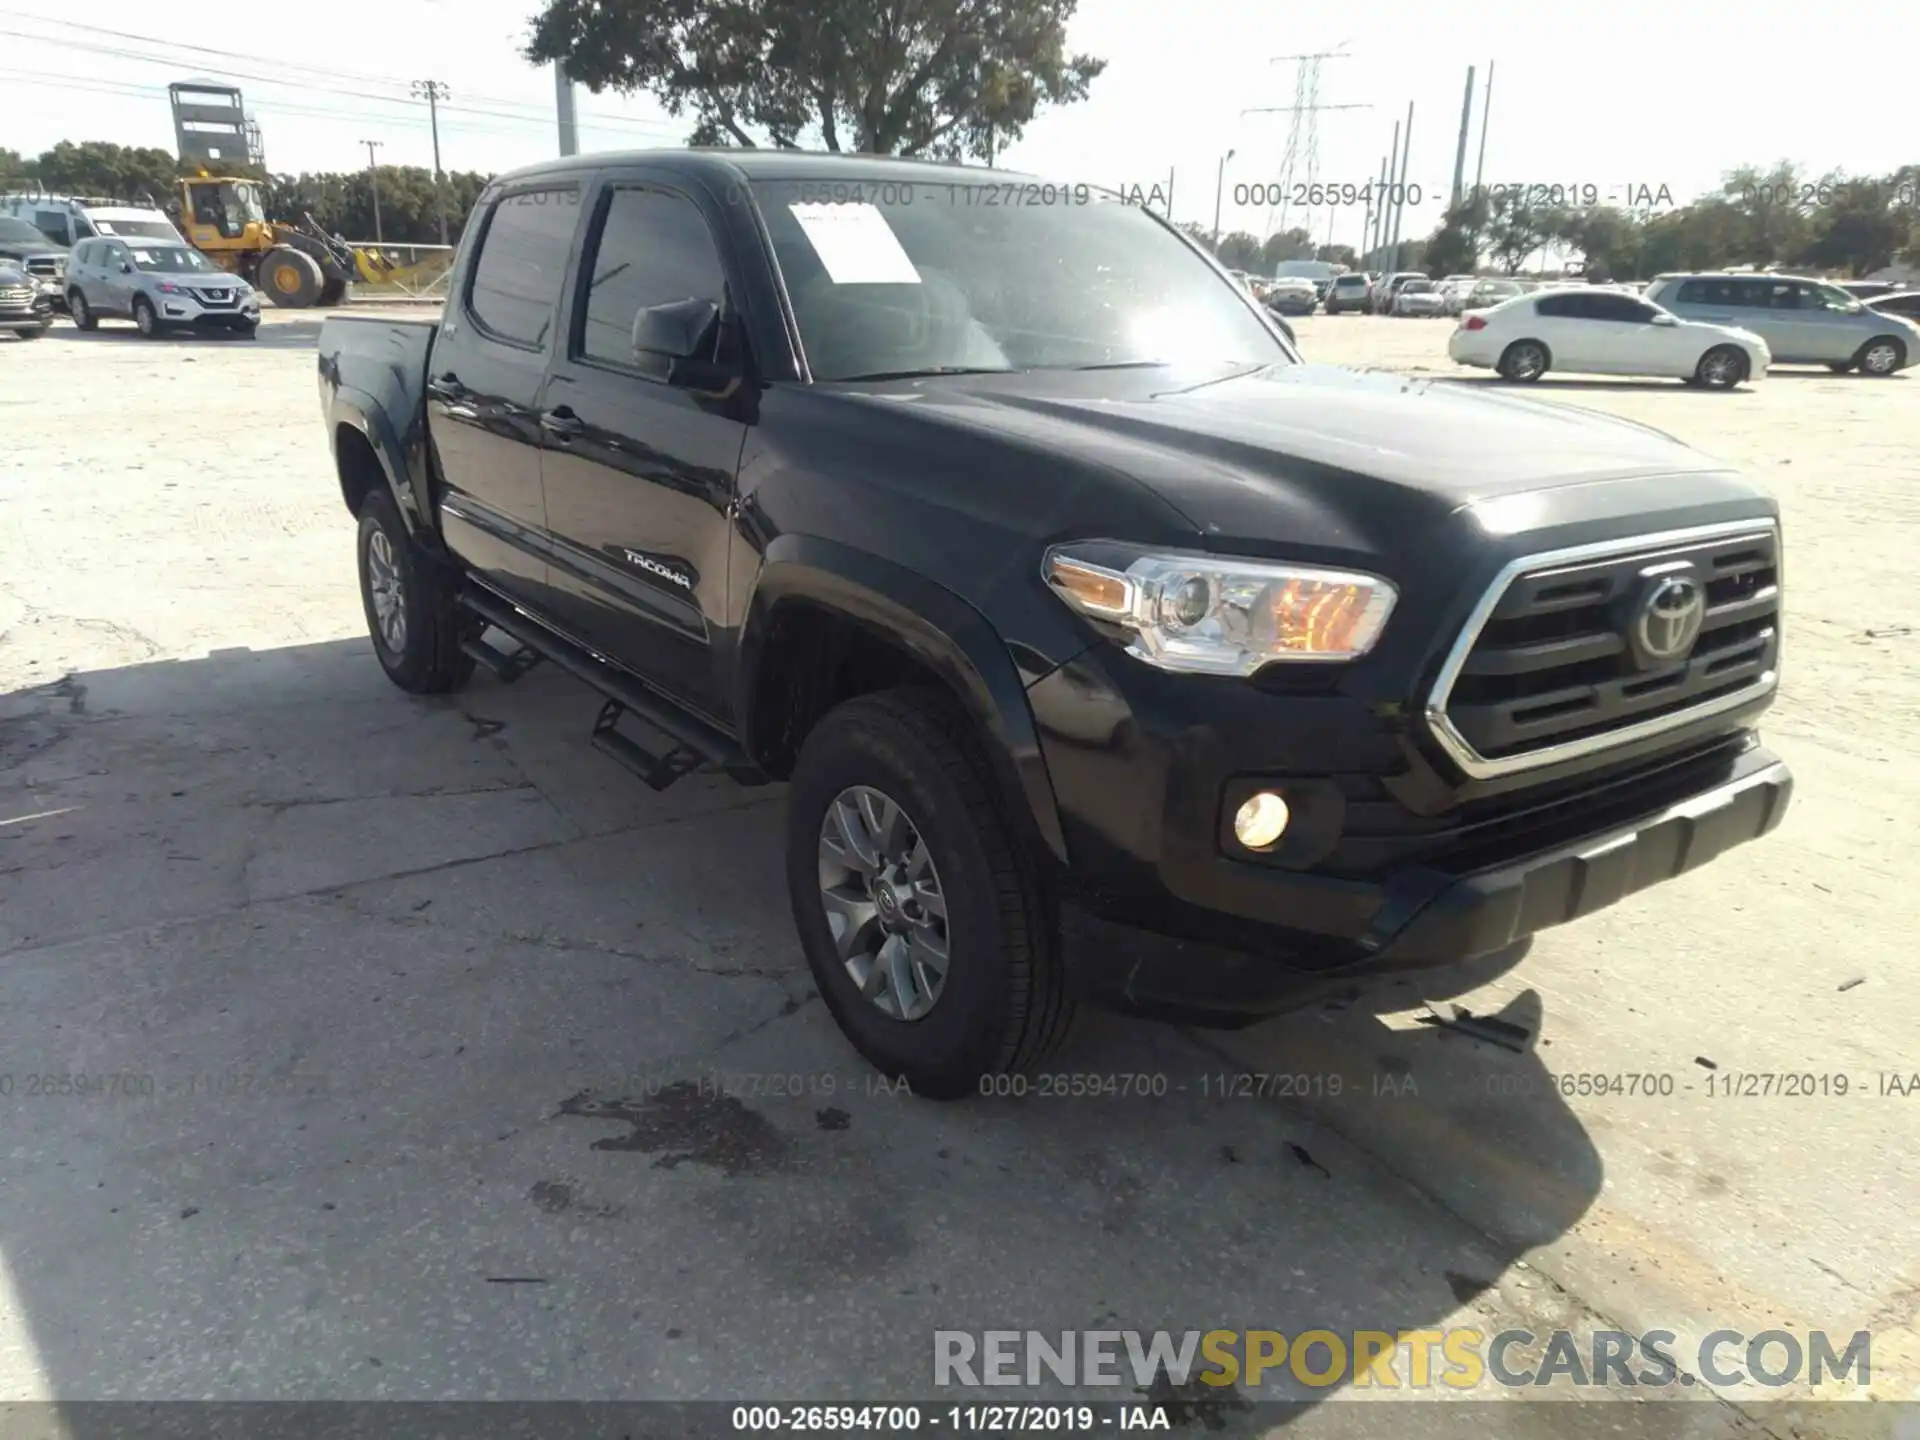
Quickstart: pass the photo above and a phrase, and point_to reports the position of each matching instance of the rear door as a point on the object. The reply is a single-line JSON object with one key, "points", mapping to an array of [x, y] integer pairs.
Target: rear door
{"points": [[640, 474], [488, 367]]}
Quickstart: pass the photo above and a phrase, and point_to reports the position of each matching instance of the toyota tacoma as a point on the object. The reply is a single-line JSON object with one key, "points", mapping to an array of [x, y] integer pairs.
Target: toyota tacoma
{"points": [[1108, 650]]}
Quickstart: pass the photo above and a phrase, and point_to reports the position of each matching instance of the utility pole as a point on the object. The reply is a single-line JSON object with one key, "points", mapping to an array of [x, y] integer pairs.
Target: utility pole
{"points": [[563, 108], [1486, 108], [373, 178], [1400, 188], [1460, 154], [1170, 170], [433, 92], [1388, 171], [1219, 182]]}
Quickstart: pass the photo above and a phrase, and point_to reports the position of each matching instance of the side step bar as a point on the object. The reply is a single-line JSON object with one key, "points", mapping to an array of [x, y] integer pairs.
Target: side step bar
{"points": [[696, 741]]}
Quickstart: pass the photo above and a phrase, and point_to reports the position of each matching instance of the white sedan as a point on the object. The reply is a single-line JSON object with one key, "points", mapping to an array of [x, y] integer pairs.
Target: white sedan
{"points": [[1602, 332]]}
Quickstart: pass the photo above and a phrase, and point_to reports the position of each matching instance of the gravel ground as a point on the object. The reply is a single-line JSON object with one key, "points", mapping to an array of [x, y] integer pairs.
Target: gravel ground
{"points": [[413, 1008]]}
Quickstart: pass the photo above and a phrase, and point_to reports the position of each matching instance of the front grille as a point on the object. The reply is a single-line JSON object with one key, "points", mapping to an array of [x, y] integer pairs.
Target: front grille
{"points": [[47, 265], [1549, 667], [17, 295], [215, 298]]}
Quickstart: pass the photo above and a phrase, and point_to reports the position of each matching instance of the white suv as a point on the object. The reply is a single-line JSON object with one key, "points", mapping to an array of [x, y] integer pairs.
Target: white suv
{"points": [[159, 285]]}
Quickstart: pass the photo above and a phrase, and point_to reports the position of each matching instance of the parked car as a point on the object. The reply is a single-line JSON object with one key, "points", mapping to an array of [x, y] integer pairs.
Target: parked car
{"points": [[25, 309], [1868, 289], [1349, 292], [1388, 290], [1488, 293], [1598, 331], [67, 220], [1454, 291], [1420, 296], [1292, 295], [1904, 303], [44, 261], [160, 285], [1076, 666], [1804, 322]]}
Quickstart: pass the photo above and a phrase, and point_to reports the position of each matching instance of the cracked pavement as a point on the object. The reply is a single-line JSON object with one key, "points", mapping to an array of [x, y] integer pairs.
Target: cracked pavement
{"points": [[433, 1057]]}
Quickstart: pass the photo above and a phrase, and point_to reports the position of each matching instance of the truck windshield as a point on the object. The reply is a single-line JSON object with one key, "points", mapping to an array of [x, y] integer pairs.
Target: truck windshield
{"points": [[927, 277], [138, 229]]}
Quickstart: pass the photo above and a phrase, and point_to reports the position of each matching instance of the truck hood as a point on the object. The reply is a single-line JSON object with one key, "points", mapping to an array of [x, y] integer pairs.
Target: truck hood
{"points": [[1355, 462]]}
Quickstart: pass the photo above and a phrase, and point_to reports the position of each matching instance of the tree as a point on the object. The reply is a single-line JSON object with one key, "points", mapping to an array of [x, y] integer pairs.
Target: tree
{"points": [[1284, 245], [1238, 250], [1454, 248], [1198, 233], [1857, 231], [99, 167], [13, 169], [1772, 209], [942, 78], [1514, 229], [1337, 255]]}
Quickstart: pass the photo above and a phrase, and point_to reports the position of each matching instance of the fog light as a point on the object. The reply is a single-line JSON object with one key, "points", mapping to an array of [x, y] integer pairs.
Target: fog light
{"points": [[1260, 822]]}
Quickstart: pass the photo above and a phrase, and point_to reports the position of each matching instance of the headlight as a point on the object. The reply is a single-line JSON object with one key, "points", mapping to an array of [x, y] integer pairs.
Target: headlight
{"points": [[1220, 616]]}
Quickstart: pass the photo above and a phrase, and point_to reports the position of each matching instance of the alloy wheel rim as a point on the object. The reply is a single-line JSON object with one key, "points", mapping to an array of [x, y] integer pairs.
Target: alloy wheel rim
{"points": [[885, 909], [143, 317], [1879, 359], [1526, 362], [389, 595], [1720, 370]]}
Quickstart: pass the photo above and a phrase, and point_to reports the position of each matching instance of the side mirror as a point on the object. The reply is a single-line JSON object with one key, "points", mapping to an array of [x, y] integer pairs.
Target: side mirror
{"points": [[126, 267], [672, 343], [1665, 320]]}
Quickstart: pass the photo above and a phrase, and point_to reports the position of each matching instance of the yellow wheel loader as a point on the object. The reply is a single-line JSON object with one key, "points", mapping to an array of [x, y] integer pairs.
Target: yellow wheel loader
{"points": [[293, 266]]}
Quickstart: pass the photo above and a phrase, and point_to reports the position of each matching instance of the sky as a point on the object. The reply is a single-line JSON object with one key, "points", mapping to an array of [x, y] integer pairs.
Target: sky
{"points": [[1628, 97]]}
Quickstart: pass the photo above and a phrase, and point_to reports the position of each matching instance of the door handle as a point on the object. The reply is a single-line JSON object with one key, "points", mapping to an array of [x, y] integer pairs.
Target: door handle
{"points": [[446, 387], [561, 423]]}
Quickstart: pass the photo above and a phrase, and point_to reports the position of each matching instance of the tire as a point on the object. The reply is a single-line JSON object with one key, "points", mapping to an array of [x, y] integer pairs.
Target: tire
{"points": [[1881, 356], [80, 312], [1001, 1006], [422, 654], [246, 332], [1524, 361], [291, 278], [146, 318], [1721, 368], [333, 288]]}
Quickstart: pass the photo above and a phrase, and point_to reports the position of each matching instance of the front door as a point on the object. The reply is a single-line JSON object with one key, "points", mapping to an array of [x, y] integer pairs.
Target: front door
{"points": [[484, 379], [639, 474]]}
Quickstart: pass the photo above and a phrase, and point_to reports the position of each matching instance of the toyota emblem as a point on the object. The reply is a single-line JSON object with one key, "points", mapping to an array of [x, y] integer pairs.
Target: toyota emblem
{"points": [[1669, 619]]}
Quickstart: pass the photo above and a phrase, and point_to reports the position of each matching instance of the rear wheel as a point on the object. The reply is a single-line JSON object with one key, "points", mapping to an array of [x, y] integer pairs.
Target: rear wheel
{"points": [[931, 943], [409, 599], [291, 278], [1721, 368], [80, 312], [1881, 356], [1524, 361]]}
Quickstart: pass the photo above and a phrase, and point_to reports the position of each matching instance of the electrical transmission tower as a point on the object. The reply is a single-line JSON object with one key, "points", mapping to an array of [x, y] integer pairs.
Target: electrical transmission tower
{"points": [[1303, 130]]}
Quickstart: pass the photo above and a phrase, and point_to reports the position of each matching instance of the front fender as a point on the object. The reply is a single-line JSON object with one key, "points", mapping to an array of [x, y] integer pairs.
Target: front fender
{"points": [[942, 630]]}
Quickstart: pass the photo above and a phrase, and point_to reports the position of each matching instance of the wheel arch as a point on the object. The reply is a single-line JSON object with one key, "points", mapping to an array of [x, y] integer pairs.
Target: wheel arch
{"points": [[366, 453], [808, 586]]}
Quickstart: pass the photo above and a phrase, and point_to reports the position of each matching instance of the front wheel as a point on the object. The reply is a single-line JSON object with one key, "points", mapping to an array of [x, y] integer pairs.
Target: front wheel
{"points": [[411, 604], [1721, 368], [145, 318], [1881, 357], [931, 942]]}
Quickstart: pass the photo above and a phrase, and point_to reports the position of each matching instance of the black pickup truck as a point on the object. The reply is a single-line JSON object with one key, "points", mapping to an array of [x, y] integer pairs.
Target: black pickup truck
{"points": [[1110, 650]]}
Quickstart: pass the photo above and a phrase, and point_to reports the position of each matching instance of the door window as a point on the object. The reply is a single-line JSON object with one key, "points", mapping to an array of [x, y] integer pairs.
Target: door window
{"points": [[652, 247], [514, 291]]}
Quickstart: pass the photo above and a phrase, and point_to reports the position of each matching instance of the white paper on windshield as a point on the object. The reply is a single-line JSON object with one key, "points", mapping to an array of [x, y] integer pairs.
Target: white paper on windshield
{"points": [[104, 227], [145, 257], [855, 244]]}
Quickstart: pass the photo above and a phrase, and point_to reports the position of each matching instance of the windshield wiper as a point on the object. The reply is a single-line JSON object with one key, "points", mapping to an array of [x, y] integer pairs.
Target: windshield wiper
{"points": [[1125, 365], [931, 370]]}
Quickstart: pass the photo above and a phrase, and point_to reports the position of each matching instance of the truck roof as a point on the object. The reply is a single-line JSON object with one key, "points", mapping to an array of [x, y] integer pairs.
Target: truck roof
{"points": [[725, 164]]}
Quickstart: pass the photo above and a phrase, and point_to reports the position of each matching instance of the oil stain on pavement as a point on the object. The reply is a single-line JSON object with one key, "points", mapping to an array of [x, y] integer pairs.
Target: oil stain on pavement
{"points": [[687, 1123]]}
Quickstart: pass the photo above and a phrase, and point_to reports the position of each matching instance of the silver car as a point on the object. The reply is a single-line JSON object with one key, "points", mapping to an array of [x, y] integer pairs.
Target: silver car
{"points": [[1419, 297], [1804, 322], [159, 285]]}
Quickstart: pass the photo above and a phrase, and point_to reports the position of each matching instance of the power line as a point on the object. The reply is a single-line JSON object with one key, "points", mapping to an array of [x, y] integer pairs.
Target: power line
{"points": [[534, 115]]}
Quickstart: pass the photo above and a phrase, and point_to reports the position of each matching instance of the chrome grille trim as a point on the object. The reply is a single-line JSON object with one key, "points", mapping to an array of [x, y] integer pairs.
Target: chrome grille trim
{"points": [[1480, 767]]}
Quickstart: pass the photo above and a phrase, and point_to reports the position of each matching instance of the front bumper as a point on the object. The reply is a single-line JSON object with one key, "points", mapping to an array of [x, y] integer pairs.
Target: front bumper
{"points": [[1417, 919], [27, 317]]}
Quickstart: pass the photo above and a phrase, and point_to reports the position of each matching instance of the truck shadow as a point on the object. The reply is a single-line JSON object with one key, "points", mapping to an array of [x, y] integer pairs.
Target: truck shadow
{"points": [[411, 1051]]}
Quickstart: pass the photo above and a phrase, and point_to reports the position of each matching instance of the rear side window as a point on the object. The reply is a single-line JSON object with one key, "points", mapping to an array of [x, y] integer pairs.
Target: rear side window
{"points": [[1564, 307], [515, 289], [653, 248]]}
